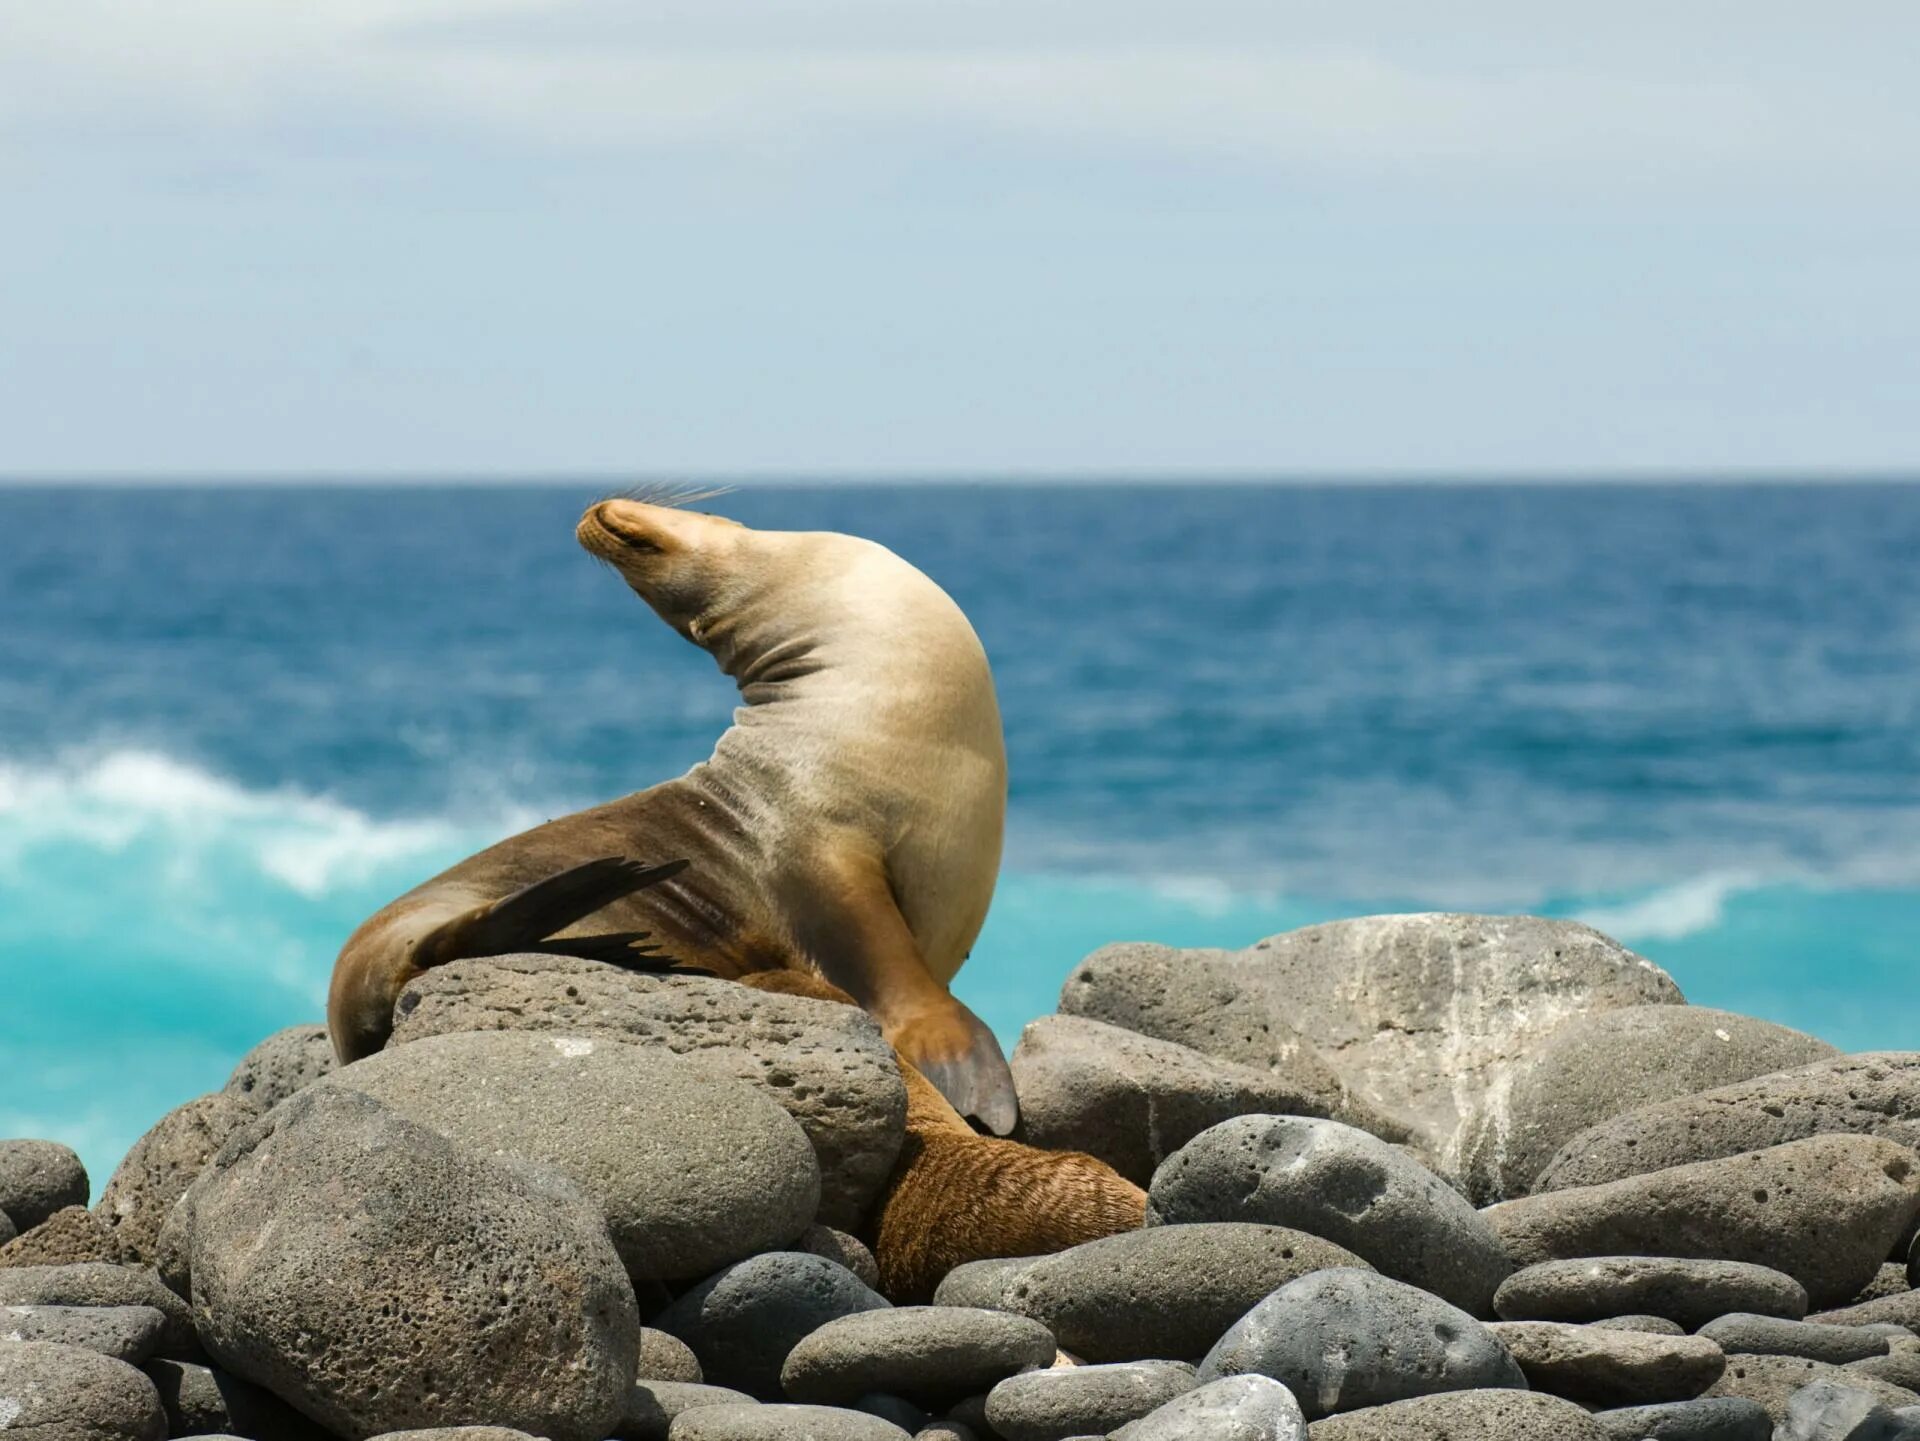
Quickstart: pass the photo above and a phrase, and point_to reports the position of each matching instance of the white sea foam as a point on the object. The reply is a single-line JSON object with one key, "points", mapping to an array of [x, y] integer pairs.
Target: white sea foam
{"points": [[1672, 913]]}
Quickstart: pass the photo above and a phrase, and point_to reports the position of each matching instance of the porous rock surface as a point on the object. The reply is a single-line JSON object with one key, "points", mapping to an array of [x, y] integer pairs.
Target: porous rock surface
{"points": [[38, 1178], [71, 1234], [930, 1355], [1610, 1368], [126, 1333], [826, 1064], [1773, 1336], [99, 1283], [1234, 1408], [335, 1236], [1488, 1415], [1687, 1292], [51, 1392], [755, 1422], [162, 1164], [1421, 1016], [1335, 1181], [283, 1063], [982, 1283], [203, 1399], [665, 1357], [1772, 1381], [692, 1170]]}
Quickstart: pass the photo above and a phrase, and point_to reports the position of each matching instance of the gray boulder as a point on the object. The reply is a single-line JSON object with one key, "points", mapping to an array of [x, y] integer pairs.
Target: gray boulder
{"points": [[1344, 1339], [1334, 1181], [754, 1422], [742, 1322], [70, 1235], [982, 1283], [1687, 1292], [162, 1164], [826, 1064], [97, 1283], [1773, 1380], [1133, 1100], [126, 1333], [335, 1236], [1166, 1292], [1753, 1335], [1418, 1015], [1708, 1418], [653, 1405], [38, 1178], [280, 1065], [1825, 1411], [68, 1393], [1234, 1408], [693, 1170], [664, 1357], [200, 1399], [1068, 1401], [930, 1355], [1826, 1211], [1610, 1368], [1601, 1065], [1875, 1094], [1486, 1415]]}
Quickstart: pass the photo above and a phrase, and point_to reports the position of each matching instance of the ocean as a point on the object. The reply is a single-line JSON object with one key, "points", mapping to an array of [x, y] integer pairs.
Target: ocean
{"points": [[234, 721]]}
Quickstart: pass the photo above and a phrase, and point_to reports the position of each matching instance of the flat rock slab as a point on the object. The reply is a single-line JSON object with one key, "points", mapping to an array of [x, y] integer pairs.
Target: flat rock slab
{"points": [[1486, 1415], [1332, 1180], [1419, 1015], [1165, 1292], [1688, 1293], [97, 1283], [930, 1355], [1234, 1408], [284, 1063], [782, 1423], [162, 1164], [693, 1170], [1345, 1339], [653, 1405], [204, 1399], [61, 1392], [1065, 1401], [38, 1178], [126, 1333], [826, 1064], [1598, 1066], [335, 1236], [1772, 1380], [1710, 1418], [1826, 1211], [70, 1235], [1610, 1368], [1871, 1094], [1134, 1100], [1772, 1336]]}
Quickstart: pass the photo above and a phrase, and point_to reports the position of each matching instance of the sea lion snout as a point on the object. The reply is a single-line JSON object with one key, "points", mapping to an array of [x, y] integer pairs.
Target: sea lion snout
{"points": [[616, 529]]}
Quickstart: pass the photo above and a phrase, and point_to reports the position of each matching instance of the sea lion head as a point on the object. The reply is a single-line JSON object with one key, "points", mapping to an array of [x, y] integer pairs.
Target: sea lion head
{"points": [[690, 567]]}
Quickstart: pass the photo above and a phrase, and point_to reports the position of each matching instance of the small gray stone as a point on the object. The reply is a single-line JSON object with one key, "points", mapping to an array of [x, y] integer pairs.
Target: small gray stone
{"points": [[68, 1393], [162, 1164], [1902, 1309], [1234, 1408], [742, 1322], [1343, 1339], [692, 1170], [1067, 1401], [945, 1428], [665, 1357], [1688, 1292], [70, 1235], [1708, 1418], [126, 1333], [932, 1355], [1610, 1368], [1899, 1368], [754, 1422], [334, 1236], [97, 1283], [982, 1283], [1772, 1380], [1598, 1066], [38, 1178], [1650, 1325], [652, 1406], [1753, 1335], [280, 1065], [202, 1399], [844, 1250], [1825, 1411], [1340, 1183], [1166, 1292], [1494, 1414], [1826, 1211]]}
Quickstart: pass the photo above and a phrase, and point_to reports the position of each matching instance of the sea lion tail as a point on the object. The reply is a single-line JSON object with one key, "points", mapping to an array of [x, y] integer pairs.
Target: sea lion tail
{"points": [[527, 919]]}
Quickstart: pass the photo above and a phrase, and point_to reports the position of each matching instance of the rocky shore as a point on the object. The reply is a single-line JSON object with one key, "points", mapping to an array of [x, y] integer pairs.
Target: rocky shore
{"points": [[1455, 1177]]}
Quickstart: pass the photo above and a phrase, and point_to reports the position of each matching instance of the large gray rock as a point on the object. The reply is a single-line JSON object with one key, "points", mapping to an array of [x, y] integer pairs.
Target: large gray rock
{"points": [[1166, 1292], [1825, 1411], [1420, 1015], [1689, 1292], [754, 1422], [653, 1405], [1133, 1100], [201, 1399], [126, 1333], [162, 1164], [1600, 1065], [335, 1236], [1875, 1094], [1708, 1418], [38, 1178], [827, 1064], [1487, 1415], [97, 1283], [70, 1235], [1343, 1339], [1065, 1401], [50, 1392], [742, 1322], [1752, 1335], [1772, 1381], [1334, 1181], [693, 1170], [1826, 1211], [280, 1065], [1600, 1367], [930, 1355], [1234, 1408]]}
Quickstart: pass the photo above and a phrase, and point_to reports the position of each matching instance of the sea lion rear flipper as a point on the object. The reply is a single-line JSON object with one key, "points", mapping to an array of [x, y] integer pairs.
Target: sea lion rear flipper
{"points": [[525, 920]]}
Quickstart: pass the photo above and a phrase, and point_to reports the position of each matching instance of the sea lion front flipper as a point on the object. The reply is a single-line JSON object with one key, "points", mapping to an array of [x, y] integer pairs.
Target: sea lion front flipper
{"points": [[954, 1049], [531, 915]]}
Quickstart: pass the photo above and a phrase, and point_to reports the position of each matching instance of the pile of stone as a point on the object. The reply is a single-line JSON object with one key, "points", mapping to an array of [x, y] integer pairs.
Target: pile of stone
{"points": [[1472, 1178]]}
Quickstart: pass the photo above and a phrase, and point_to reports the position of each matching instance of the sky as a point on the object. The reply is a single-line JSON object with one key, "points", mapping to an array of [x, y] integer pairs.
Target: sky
{"points": [[746, 238]]}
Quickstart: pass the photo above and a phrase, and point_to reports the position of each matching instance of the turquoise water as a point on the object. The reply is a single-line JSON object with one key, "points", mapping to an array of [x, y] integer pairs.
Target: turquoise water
{"points": [[233, 723]]}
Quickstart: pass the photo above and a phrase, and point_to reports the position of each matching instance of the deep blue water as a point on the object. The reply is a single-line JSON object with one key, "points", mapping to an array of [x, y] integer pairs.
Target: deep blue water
{"points": [[232, 722]]}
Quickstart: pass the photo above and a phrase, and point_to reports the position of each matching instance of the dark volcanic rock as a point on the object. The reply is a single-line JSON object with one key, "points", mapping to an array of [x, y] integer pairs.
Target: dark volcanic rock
{"points": [[1234, 1408], [50, 1392], [97, 1283], [931, 1355], [70, 1235], [126, 1333], [1334, 1181], [1826, 1211], [1166, 1292], [280, 1065], [1772, 1380], [1709, 1418], [1688, 1292], [1598, 1066], [1773, 1336], [1344, 1339], [1083, 1400], [335, 1236], [38, 1178], [1610, 1368], [200, 1399], [162, 1164], [1485, 1415], [827, 1064], [692, 1170]]}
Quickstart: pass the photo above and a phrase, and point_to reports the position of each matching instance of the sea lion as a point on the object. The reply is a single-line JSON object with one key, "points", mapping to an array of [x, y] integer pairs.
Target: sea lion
{"points": [[847, 826]]}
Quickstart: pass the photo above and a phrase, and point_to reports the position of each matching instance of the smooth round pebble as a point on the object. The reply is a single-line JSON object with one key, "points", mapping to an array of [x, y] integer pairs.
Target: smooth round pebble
{"points": [[982, 1283], [754, 1422], [1774, 1336], [1689, 1293], [1710, 1418], [1651, 1325], [204, 1398], [946, 1429], [97, 1283], [1234, 1408], [665, 1357], [932, 1355], [1493, 1414], [1083, 1400], [839, 1247], [61, 1392], [653, 1405], [1610, 1368], [38, 1178], [126, 1333]]}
